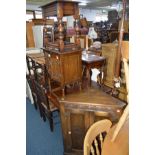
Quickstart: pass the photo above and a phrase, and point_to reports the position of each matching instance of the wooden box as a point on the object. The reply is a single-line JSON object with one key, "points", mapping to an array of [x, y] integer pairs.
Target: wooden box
{"points": [[80, 110]]}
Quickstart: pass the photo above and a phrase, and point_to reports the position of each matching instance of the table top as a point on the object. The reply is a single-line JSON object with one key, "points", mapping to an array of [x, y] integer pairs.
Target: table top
{"points": [[121, 144], [90, 58], [93, 96]]}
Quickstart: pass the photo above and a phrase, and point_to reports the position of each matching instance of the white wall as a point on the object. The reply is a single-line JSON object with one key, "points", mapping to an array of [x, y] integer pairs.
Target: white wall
{"points": [[89, 13], [32, 7]]}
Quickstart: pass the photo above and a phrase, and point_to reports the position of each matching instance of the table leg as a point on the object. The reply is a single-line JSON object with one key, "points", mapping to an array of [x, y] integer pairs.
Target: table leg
{"points": [[89, 77]]}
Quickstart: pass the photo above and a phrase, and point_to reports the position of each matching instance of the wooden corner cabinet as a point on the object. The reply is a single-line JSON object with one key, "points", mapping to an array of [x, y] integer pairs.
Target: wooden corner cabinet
{"points": [[80, 110]]}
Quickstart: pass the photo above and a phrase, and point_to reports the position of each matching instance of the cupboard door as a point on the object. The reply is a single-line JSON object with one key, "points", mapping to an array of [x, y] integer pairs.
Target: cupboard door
{"points": [[74, 126]]}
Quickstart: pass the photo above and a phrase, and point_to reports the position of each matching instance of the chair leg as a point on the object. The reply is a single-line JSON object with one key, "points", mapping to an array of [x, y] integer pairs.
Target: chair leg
{"points": [[44, 117], [50, 119], [51, 124], [40, 111], [35, 105]]}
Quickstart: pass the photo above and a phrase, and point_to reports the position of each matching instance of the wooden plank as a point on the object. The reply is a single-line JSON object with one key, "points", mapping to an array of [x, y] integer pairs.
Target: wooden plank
{"points": [[29, 35]]}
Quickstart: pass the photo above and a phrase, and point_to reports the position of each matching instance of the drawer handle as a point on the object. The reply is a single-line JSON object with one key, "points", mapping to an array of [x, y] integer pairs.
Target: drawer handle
{"points": [[69, 132]]}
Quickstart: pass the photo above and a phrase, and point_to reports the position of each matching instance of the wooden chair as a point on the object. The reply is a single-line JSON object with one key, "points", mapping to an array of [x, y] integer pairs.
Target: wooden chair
{"points": [[47, 107], [94, 137], [30, 80], [33, 91]]}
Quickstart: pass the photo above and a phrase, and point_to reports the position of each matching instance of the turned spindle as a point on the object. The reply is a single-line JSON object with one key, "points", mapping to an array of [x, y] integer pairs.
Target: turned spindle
{"points": [[61, 35]]}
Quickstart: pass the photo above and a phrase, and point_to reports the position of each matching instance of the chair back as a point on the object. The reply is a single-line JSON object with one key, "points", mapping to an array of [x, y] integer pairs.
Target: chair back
{"points": [[95, 136], [42, 95]]}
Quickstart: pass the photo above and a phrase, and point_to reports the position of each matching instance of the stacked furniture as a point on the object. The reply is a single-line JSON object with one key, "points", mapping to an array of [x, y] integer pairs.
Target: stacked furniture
{"points": [[63, 59]]}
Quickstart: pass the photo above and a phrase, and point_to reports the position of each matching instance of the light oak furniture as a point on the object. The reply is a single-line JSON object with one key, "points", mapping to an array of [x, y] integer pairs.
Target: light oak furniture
{"points": [[109, 51], [99, 139], [80, 110], [94, 137], [121, 144], [117, 140]]}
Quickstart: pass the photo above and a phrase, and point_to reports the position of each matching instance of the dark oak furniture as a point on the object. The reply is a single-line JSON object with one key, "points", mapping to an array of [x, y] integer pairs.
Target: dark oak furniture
{"points": [[80, 110], [59, 9], [63, 59], [38, 83], [90, 61], [34, 62], [47, 106], [65, 68]]}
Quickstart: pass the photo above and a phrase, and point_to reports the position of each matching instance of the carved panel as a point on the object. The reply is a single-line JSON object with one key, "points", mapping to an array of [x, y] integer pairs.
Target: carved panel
{"points": [[55, 67]]}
